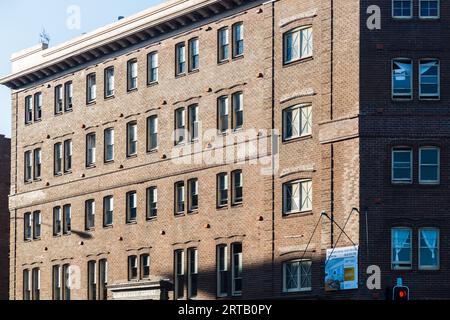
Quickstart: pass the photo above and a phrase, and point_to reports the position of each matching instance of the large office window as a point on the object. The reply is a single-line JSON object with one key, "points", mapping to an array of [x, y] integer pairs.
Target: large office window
{"points": [[402, 80], [297, 197], [38, 106], [429, 249], [298, 44], [152, 133], [153, 65], [179, 274], [131, 206], [90, 214], [224, 44], [429, 79], [297, 121], [401, 248], [28, 109], [429, 165], [109, 145], [402, 9], [152, 202], [109, 82], [108, 211], [429, 9], [179, 198], [90, 149], [238, 39], [194, 61], [180, 55], [91, 84], [297, 276], [402, 165], [132, 139], [132, 74]]}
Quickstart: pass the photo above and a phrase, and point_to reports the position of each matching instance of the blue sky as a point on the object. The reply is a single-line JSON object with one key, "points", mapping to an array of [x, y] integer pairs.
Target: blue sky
{"points": [[21, 22]]}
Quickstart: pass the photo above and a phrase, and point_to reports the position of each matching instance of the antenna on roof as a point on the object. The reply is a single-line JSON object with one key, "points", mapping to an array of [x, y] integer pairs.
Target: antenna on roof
{"points": [[120, 17], [44, 37]]}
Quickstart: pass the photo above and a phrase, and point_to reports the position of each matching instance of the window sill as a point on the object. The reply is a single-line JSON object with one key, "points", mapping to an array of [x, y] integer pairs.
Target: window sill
{"points": [[406, 99], [89, 230], [430, 184], [154, 151], [237, 205], [401, 183], [431, 99], [37, 180], [27, 240], [297, 139], [89, 167], [36, 121], [193, 212], [108, 227], [132, 156], [109, 97], [429, 18], [222, 208], [238, 57], [153, 83], [28, 182], [92, 103], [108, 162], [130, 223], [180, 75], [151, 219], [67, 172], [296, 62], [222, 62], [194, 71], [179, 215], [297, 214], [399, 18], [132, 90]]}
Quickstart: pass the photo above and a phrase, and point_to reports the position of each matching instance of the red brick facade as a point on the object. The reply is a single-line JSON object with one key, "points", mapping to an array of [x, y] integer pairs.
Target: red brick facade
{"points": [[5, 164]]}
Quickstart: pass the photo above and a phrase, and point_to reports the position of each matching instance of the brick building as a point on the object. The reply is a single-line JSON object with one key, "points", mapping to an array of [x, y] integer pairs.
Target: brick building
{"points": [[217, 149], [5, 164]]}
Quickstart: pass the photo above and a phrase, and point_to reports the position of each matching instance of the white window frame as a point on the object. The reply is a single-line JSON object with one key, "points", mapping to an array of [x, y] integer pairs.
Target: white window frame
{"points": [[152, 65], [37, 225], [152, 133], [223, 114], [29, 109], [438, 166], [28, 161], [57, 218], [152, 202], [58, 159], [180, 198], [402, 17], [226, 188], [404, 96], [305, 121], [193, 122], [300, 288], [410, 262], [37, 107], [194, 53], [237, 99], [223, 35], [402, 181], [132, 74], [436, 96], [90, 214], [110, 201], [303, 53], [68, 155], [180, 59], [301, 197], [180, 126], [438, 248], [91, 147], [68, 96], [145, 264], [109, 143], [237, 40], [91, 82], [131, 204], [28, 226], [132, 138], [132, 266], [67, 219], [430, 17], [109, 82]]}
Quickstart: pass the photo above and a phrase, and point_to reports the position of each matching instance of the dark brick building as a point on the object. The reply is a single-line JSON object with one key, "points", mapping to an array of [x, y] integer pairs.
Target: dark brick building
{"points": [[5, 164], [216, 149]]}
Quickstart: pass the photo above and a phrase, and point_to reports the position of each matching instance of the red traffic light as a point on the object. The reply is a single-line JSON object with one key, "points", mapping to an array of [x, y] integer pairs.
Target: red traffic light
{"points": [[401, 293]]}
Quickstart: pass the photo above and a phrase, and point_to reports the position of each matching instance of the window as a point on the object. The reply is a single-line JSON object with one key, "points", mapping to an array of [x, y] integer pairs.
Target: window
{"points": [[222, 189], [66, 284], [193, 195], [57, 221], [192, 254], [58, 99], [222, 271], [402, 165], [145, 266], [68, 96], [28, 227], [28, 109], [180, 59], [131, 206], [92, 280], [429, 9], [57, 155], [152, 202], [236, 272], [179, 274], [132, 139], [67, 156], [132, 268], [37, 223], [38, 106], [428, 249], [61, 282], [238, 110], [298, 44], [194, 61], [223, 113], [26, 284], [238, 39], [36, 283], [429, 162], [153, 65], [180, 126], [224, 44], [179, 198], [91, 88], [401, 248], [402, 79], [56, 275], [108, 211], [152, 132], [429, 79], [28, 166], [297, 276], [109, 145], [297, 197], [297, 122], [109, 82], [103, 279], [237, 194], [402, 9], [90, 150], [67, 219], [37, 164], [193, 122], [90, 214], [132, 71]]}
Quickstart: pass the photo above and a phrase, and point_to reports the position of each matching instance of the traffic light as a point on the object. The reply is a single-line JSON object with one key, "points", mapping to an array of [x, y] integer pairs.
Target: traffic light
{"points": [[400, 293]]}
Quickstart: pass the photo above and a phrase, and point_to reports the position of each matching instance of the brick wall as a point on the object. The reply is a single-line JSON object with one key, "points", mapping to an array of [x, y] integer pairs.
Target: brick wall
{"points": [[5, 151]]}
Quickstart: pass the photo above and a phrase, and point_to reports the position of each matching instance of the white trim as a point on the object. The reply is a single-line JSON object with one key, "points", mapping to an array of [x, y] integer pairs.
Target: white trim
{"points": [[299, 288], [410, 250], [438, 181], [430, 17], [409, 96], [430, 96], [438, 247], [402, 17], [402, 181]]}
